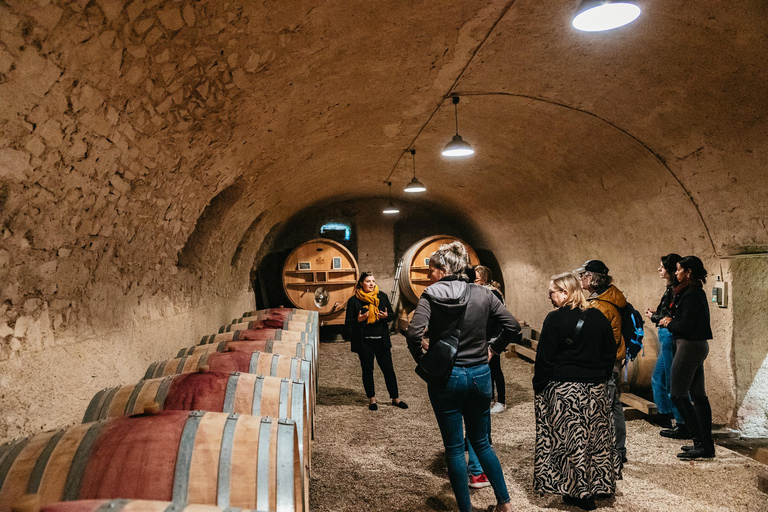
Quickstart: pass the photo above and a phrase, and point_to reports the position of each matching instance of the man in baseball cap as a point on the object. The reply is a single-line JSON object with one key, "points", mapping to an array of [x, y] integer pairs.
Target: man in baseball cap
{"points": [[604, 296]]}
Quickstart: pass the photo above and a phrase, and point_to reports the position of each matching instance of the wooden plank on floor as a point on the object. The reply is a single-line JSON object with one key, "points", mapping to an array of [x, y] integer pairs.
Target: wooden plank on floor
{"points": [[639, 403], [522, 351]]}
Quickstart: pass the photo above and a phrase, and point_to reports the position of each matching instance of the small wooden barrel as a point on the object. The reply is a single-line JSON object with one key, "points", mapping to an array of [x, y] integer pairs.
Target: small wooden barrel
{"points": [[413, 275], [122, 505], [296, 312], [260, 363], [256, 334], [638, 372], [242, 393], [209, 458], [286, 325]]}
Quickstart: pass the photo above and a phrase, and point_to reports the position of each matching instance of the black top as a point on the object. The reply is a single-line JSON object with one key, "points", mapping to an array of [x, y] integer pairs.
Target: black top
{"points": [[662, 310], [589, 358], [439, 309], [356, 331], [690, 314]]}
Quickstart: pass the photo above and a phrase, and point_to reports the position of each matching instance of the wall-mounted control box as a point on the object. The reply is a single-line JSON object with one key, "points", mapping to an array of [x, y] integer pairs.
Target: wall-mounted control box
{"points": [[720, 293]]}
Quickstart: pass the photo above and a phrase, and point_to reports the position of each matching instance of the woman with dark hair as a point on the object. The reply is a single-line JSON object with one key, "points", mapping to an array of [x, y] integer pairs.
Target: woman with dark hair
{"points": [[575, 454], [367, 327], [690, 328], [453, 307], [484, 277], [662, 372]]}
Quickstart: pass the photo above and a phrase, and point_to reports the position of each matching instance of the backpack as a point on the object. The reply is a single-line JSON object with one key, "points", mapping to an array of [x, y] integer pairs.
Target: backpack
{"points": [[631, 329]]}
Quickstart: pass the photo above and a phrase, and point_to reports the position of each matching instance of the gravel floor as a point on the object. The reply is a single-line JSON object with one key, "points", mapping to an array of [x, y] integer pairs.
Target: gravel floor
{"points": [[392, 459]]}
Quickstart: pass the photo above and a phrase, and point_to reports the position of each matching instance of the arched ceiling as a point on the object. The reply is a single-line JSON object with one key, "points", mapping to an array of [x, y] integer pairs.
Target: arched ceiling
{"points": [[122, 121]]}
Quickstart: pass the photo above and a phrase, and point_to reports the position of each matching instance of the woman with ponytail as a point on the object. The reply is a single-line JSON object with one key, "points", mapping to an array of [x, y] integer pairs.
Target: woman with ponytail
{"points": [[367, 326], [691, 330]]}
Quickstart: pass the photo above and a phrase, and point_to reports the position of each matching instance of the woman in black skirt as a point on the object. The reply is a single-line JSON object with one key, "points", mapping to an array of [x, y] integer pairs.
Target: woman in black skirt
{"points": [[575, 454], [367, 328], [690, 328]]}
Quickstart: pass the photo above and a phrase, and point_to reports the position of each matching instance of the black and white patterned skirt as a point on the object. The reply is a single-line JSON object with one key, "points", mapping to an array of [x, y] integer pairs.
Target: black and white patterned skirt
{"points": [[576, 451]]}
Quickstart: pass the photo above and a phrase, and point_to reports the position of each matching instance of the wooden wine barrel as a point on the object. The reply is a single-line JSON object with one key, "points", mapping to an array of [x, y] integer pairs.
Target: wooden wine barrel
{"points": [[312, 315], [209, 458], [286, 325], [289, 348], [413, 275], [241, 393], [256, 334], [122, 505], [637, 374], [257, 362], [297, 315], [327, 284]]}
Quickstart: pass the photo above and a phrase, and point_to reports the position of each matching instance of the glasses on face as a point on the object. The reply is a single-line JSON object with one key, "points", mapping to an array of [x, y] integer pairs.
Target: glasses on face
{"points": [[585, 275]]}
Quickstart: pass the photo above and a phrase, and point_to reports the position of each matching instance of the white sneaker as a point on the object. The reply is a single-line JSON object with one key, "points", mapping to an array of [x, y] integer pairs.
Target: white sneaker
{"points": [[498, 407]]}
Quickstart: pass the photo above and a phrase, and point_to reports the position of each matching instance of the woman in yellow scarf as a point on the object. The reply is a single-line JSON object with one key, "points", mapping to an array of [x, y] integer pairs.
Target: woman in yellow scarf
{"points": [[367, 328]]}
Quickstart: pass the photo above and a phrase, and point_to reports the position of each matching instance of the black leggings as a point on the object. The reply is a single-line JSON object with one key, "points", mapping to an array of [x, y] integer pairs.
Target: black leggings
{"points": [[688, 378], [376, 348], [497, 378]]}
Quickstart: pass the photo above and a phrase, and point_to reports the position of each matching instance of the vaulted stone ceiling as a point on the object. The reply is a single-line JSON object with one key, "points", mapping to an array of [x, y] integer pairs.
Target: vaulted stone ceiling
{"points": [[145, 144]]}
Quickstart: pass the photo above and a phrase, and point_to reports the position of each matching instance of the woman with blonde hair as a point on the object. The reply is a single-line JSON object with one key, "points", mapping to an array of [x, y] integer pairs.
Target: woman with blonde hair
{"points": [[575, 454]]}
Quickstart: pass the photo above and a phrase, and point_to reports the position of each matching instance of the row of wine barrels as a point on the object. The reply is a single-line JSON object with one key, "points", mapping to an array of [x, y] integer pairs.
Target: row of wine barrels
{"points": [[228, 460], [295, 316], [255, 334], [235, 392], [312, 315], [122, 505]]}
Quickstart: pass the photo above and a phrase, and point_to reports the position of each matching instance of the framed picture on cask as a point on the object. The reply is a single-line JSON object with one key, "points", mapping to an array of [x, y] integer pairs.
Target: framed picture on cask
{"points": [[336, 263], [305, 265], [426, 262]]}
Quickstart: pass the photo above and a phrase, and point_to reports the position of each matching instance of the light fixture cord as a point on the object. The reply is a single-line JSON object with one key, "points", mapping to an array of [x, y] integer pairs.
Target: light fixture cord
{"points": [[456, 115], [413, 154]]}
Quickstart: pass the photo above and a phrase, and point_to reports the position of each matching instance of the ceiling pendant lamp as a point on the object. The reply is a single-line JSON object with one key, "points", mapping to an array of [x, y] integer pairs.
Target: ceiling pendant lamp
{"points": [[458, 147], [390, 209], [415, 185], [598, 15]]}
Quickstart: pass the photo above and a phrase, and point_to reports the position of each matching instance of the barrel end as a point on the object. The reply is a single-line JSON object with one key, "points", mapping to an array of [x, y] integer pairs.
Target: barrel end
{"points": [[204, 369], [151, 408]]}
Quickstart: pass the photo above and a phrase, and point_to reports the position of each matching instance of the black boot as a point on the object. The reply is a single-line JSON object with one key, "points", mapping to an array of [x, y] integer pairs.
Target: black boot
{"points": [[705, 448], [582, 503]]}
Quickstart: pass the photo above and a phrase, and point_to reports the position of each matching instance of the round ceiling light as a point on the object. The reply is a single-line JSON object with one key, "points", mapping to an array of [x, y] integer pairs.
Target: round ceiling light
{"points": [[599, 15]]}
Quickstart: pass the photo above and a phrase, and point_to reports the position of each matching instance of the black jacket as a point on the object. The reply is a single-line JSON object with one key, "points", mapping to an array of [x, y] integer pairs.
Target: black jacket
{"points": [[439, 309], [662, 310], [355, 331], [690, 314], [589, 358]]}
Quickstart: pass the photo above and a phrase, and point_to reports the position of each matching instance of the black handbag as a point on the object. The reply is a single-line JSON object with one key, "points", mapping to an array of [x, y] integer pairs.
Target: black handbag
{"points": [[436, 364]]}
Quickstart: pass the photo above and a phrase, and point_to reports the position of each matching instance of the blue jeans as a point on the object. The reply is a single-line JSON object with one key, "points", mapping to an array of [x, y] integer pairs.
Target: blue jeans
{"points": [[662, 375], [473, 464], [466, 398]]}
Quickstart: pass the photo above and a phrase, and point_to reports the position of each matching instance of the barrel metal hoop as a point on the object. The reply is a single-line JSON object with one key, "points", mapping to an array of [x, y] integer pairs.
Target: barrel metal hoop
{"points": [[184, 458], [269, 346], [221, 346], [134, 396], [161, 368], [306, 372], [229, 394], [10, 457], [203, 359], [108, 396], [79, 461], [303, 336], [181, 352], [285, 476], [286, 324], [162, 391], [225, 461], [295, 362], [273, 367], [257, 387], [262, 466], [254, 362], [278, 334], [91, 413], [203, 340], [297, 413], [42, 461], [232, 509], [175, 507], [151, 370], [180, 367], [113, 506], [222, 329], [283, 403]]}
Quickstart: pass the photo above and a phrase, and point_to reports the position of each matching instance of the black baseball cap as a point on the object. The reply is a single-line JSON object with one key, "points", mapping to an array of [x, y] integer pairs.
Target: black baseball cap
{"points": [[595, 266]]}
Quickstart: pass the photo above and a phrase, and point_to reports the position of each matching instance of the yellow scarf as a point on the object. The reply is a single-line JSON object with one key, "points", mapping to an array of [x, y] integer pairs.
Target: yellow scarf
{"points": [[372, 299]]}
